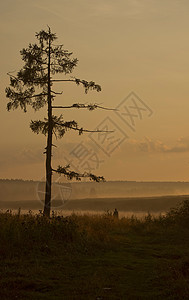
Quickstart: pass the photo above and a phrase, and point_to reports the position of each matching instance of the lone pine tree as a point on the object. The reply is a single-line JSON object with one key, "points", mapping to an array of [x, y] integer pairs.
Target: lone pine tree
{"points": [[33, 85]]}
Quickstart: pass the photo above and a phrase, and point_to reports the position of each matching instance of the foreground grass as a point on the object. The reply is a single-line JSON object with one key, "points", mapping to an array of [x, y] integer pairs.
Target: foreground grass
{"points": [[95, 257]]}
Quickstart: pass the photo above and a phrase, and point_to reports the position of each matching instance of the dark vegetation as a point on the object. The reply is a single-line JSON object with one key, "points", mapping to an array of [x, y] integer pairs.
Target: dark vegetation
{"points": [[95, 257]]}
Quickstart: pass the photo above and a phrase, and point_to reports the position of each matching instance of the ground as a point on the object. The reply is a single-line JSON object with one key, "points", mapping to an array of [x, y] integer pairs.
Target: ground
{"points": [[93, 258]]}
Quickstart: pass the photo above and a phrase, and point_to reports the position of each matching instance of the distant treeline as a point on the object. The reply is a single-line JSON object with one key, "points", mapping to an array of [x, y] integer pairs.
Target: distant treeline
{"points": [[21, 190]]}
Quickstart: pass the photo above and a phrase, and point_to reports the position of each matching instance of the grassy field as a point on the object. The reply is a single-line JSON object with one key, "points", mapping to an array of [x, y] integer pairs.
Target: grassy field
{"points": [[95, 257]]}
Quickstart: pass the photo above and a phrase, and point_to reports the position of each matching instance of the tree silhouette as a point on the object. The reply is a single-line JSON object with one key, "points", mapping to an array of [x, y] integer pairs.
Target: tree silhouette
{"points": [[33, 85]]}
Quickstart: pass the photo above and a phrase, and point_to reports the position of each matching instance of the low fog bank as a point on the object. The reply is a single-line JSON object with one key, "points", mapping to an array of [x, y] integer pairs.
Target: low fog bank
{"points": [[124, 195], [19, 190], [156, 204]]}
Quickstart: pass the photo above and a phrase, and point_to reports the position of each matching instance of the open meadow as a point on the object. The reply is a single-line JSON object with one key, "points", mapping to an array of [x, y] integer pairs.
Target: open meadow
{"points": [[95, 256]]}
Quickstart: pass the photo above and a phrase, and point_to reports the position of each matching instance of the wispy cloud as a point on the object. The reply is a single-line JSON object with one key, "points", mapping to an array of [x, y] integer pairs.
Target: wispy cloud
{"points": [[99, 8], [128, 8], [156, 146], [50, 9], [10, 157]]}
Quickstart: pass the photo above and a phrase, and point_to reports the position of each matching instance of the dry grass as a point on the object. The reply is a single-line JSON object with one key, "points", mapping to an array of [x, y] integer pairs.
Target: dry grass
{"points": [[95, 257]]}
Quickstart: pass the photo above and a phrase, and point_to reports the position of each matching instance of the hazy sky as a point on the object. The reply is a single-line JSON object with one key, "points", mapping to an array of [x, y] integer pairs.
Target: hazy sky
{"points": [[124, 45]]}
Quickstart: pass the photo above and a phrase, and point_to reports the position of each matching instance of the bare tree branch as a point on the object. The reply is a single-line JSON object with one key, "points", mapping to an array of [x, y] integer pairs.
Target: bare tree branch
{"points": [[56, 93], [59, 80], [81, 130], [88, 106]]}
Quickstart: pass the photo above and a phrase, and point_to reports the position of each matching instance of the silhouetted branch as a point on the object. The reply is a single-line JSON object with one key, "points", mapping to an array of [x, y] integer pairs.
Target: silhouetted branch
{"points": [[15, 78], [88, 106], [61, 45], [81, 130], [86, 84], [59, 80], [34, 96], [56, 93], [72, 174]]}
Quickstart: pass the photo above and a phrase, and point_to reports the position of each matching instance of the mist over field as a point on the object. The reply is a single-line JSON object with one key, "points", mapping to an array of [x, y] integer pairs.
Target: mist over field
{"points": [[126, 196]]}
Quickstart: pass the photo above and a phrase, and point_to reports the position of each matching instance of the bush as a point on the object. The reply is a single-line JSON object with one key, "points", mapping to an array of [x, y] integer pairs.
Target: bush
{"points": [[180, 214]]}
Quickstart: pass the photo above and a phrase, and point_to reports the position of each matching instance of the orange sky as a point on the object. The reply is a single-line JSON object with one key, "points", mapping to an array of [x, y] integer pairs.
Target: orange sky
{"points": [[124, 45]]}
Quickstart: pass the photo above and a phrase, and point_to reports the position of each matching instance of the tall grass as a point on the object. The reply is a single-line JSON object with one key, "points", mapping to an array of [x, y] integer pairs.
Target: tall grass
{"points": [[33, 233], [27, 233], [77, 248]]}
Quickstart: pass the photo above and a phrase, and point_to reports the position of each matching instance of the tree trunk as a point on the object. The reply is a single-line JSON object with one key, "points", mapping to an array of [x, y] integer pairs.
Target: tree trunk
{"points": [[47, 206]]}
